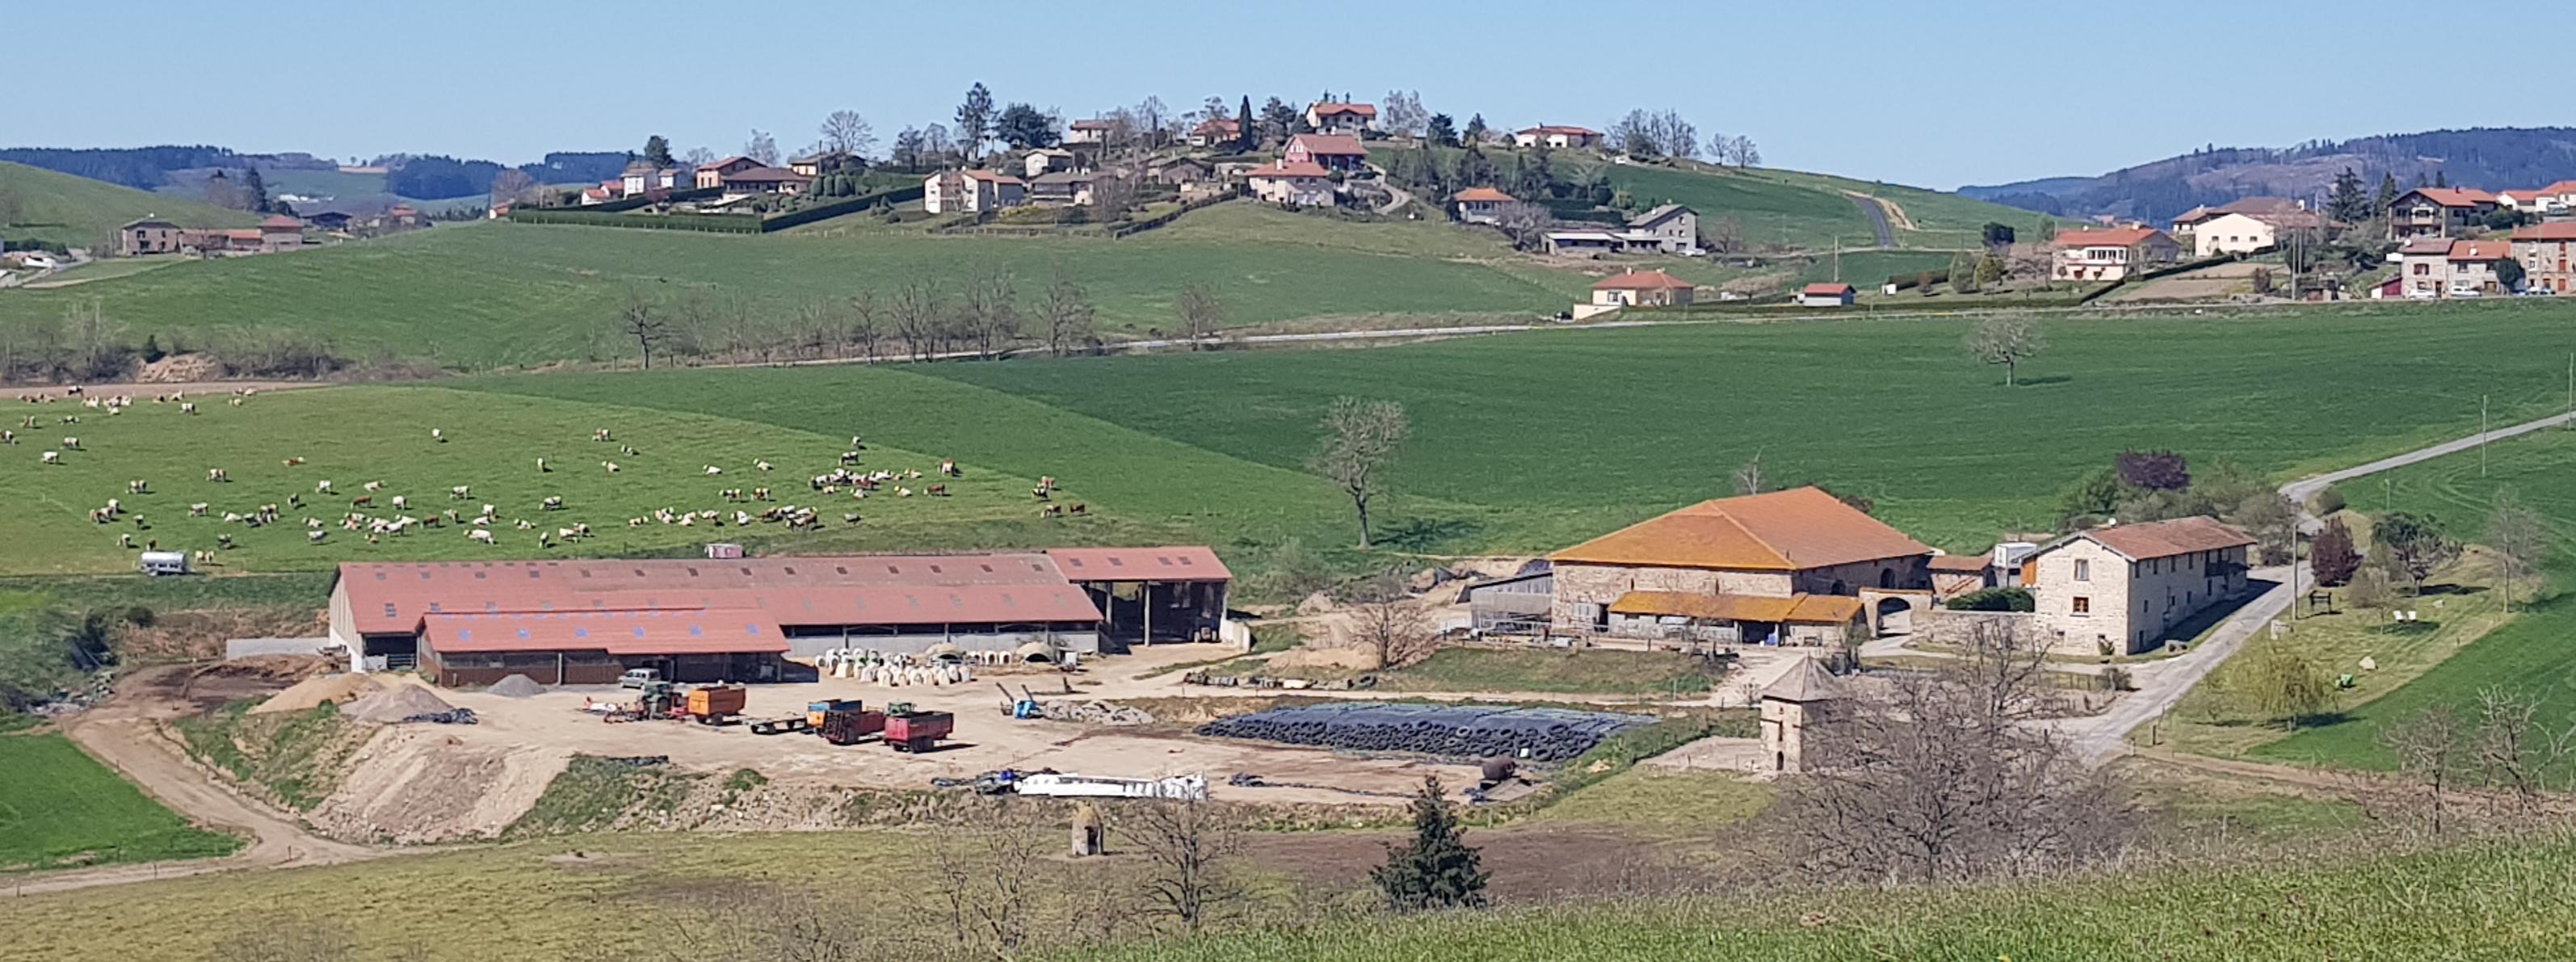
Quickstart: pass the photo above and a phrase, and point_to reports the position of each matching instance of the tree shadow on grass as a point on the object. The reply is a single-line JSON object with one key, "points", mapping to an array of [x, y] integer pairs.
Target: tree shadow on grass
{"points": [[2045, 381], [1428, 534], [2451, 589]]}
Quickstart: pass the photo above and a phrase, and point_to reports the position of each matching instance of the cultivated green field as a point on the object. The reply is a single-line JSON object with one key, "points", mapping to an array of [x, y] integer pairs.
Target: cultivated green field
{"points": [[2530, 654], [82, 212], [497, 294], [59, 807], [1812, 210]]}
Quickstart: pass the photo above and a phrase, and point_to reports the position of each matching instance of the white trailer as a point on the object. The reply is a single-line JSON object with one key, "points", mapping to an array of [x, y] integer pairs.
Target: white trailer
{"points": [[163, 563], [1187, 788]]}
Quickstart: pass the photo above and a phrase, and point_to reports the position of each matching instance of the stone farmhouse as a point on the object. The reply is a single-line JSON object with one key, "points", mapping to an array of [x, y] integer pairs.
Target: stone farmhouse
{"points": [[2543, 251], [1796, 567], [2121, 589], [2438, 268]]}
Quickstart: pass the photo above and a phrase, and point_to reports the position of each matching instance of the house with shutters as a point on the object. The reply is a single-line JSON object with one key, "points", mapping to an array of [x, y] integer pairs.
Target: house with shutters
{"points": [[2110, 254], [1349, 119], [1329, 151], [2439, 212], [2126, 589], [2544, 250]]}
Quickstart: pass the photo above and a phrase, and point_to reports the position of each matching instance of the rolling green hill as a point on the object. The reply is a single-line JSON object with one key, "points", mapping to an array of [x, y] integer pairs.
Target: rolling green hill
{"points": [[82, 212], [480, 295], [1811, 210]]}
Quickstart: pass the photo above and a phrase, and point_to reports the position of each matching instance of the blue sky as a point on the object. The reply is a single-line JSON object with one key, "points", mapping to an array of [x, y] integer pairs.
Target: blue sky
{"points": [[1935, 94]]}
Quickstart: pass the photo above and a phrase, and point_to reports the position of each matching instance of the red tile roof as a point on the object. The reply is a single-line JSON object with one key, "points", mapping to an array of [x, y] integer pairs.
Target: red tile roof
{"points": [[392, 597], [727, 162], [994, 176], [281, 222], [2455, 196], [1792, 530], [1091, 125], [1328, 109], [2556, 230], [2481, 250], [1641, 281], [2107, 237], [1960, 563], [2165, 539], [764, 175], [1329, 145], [1283, 169], [1481, 195], [1545, 129], [1177, 563], [668, 631], [1828, 290], [2559, 189]]}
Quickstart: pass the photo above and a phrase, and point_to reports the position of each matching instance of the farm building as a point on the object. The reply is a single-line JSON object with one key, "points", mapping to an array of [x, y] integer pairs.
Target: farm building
{"points": [[1826, 295], [1517, 605], [1960, 574], [735, 618], [1637, 289], [1768, 563], [2124, 588]]}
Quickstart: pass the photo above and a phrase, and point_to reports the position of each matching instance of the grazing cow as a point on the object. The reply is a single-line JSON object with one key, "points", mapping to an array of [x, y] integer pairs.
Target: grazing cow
{"points": [[541, 466], [217, 474], [197, 510], [188, 408], [850, 518], [936, 490], [849, 457], [125, 541], [8, 437], [855, 445], [610, 465], [315, 537], [712, 470], [903, 492], [71, 444], [321, 487], [362, 501], [372, 485], [1078, 508], [481, 535], [545, 540], [438, 435], [760, 494], [400, 502], [138, 487], [627, 450], [52, 457], [948, 466], [524, 524], [551, 503], [761, 464], [1051, 511], [599, 435], [294, 462], [460, 492], [293, 501]]}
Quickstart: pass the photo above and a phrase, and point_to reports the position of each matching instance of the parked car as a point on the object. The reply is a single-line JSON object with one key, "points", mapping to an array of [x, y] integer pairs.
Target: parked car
{"points": [[639, 677]]}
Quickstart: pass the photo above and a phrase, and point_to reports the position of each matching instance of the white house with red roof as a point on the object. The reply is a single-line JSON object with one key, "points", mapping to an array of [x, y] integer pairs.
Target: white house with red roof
{"points": [[1331, 151], [1480, 205], [1331, 117], [1827, 294], [1557, 136], [2111, 253], [1637, 289], [971, 191], [1292, 183]]}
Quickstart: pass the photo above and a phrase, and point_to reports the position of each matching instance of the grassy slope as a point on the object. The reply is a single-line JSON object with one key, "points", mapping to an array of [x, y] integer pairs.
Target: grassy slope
{"points": [[60, 807], [496, 294], [2530, 654], [2491, 903], [354, 435], [82, 212], [1810, 210]]}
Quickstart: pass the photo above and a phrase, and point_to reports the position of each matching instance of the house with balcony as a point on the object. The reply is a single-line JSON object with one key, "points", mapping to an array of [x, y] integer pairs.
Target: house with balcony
{"points": [[1349, 119], [2439, 212], [1291, 183], [1330, 151], [2110, 254]]}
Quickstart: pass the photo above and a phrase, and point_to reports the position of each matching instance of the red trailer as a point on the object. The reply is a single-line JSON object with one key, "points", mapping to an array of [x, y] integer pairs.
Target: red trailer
{"points": [[918, 731], [848, 726]]}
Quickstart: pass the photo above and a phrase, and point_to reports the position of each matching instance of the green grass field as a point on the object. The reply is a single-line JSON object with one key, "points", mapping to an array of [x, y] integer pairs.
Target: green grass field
{"points": [[59, 807], [82, 212], [482, 295], [2530, 654], [1812, 210]]}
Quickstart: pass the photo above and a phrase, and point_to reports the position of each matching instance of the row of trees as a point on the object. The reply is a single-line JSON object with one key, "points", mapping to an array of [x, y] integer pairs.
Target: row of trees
{"points": [[985, 315]]}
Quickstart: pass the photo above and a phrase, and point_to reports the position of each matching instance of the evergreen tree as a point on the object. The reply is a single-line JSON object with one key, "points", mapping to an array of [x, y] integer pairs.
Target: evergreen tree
{"points": [[2331, 555], [1475, 133], [2387, 194], [2347, 203], [1245, 139], [657, 151], [2441, 178], [254, 191], [1438, 869]]}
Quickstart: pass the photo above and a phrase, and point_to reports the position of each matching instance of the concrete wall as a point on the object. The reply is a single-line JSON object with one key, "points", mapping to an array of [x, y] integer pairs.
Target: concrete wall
{"points": [[238, 648]]}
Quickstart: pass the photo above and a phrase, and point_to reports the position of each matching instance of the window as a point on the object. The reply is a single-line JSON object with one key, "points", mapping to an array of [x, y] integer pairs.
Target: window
{"points": [[2080, 605], [2083, 570]]}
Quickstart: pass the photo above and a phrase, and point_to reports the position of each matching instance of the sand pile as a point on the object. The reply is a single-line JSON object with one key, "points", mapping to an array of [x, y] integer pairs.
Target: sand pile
{"points": [[394, 704], [419, 784], [516, 686], [339, 689]]}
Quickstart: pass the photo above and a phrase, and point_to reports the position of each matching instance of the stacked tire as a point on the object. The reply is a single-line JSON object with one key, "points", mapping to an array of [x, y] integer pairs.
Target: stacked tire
{"points": [[1449, 731]]}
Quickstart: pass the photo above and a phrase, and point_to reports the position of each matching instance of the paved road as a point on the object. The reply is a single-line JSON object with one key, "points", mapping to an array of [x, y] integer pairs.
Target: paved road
{"points": [[1877, 215], [2161, 684], [2300, 490]]}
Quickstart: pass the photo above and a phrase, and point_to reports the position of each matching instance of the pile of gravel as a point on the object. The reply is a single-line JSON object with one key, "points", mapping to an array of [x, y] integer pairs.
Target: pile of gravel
{"points": [[396, 704], [516, 686]]}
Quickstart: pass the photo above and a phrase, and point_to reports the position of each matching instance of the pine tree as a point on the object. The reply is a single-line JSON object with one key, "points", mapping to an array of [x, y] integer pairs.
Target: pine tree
{"points": [[1244, 136], [254, 191], [2347, 204], [2387, 193], [2441, 178], [1438, 870]]}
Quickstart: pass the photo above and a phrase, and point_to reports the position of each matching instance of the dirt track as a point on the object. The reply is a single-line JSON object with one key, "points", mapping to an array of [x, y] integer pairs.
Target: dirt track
{"points": [[210, 388], [127, 736]]}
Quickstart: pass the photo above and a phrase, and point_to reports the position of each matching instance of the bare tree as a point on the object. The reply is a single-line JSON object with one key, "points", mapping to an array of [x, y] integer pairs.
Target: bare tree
{"points": [[867, 324], [846, 130], [1725, 235], [2427, 746], [1201, 314], [511, 184], [2521, 540], [636, 321], [1065, 315], [698, 157], [1934, 777], [991, 311], [1151, 118], [773, 922], [1112, 196], [761, 147], [1360, 438], [1526, 224], [915, 313], [2007, 341], [985, 879], [1748, 478], [1393, 631], [293, 938], [1187, 847]]}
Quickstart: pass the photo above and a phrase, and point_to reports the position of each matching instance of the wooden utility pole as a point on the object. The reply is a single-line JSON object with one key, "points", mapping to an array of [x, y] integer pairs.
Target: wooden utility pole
{"points": [[2482, 435]]}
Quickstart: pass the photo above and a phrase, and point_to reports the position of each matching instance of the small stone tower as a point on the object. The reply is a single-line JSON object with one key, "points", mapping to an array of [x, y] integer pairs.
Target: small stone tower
{"points": [[1799, 698]]}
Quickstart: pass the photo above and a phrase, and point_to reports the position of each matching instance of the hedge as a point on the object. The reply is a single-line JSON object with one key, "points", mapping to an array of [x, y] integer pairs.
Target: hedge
{"points": [[1166, 217], [854, 205], [709, 223]]}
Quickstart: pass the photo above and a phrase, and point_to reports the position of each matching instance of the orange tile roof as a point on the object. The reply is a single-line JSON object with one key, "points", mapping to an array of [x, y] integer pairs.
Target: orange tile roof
{"points": [[2480, 250], [1280, 169], [1828, 290], [2164, 539], [1482, 195], [2559, 188], [1801, 609], [2455, 196], [1330, 145], [1792, 530], [1641, 281], [1960, 563], [1329, 109], [2556, 230], [2107, 237]]}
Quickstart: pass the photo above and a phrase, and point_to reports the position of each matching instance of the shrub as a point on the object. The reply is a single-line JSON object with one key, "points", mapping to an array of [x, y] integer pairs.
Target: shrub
{"points": [[1994, 599], [2153, 470], [2332, 555], [2115, 678], [2327, 500]]}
